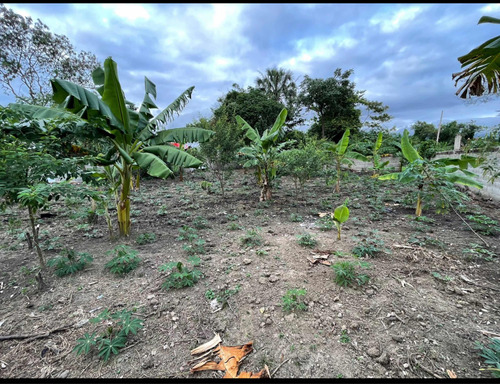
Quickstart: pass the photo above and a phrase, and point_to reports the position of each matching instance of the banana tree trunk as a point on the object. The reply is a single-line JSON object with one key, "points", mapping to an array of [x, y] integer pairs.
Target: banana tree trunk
{"points": [[418, 211], [337, 184], [123, 206], [266, 190]]}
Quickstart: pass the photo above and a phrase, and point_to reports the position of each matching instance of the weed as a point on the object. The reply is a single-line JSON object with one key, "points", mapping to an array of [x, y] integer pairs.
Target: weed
{"points": [[113, 338], [232, 217], [252, 238], [195, 248], [477, 251], [125, 259], [293, 300], [145, 238], [491, 355], [70, 262], [223, 295], [258, 212], [180, 275], [52, 243], [325, 223], [483, 224], [234, 227], [344, 338], [187, 233], [345, 273], [370, 246], [307, 240], [162, 211], [444, 279], [200, 222], [296, 218], [261, 252]]}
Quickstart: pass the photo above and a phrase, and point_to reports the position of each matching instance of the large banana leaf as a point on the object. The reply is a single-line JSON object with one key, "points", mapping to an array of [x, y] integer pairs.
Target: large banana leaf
{"points": [[378, 143], [182, 135], [250, 132], [167, 114], [152, 164], [464, 180], [482, 67], [389, 176], [41, 113], [113, 95], [463, 162], [409, 152], [343, 143], [172, 155]]}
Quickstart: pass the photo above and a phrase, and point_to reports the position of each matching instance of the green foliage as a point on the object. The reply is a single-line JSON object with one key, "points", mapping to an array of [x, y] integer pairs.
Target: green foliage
{"points": [[491, 354], [125, 259], [345, 273], [424, 131], [344, 338], [477, 251], [145, 238], [263, 151], [435, 178], [296, 218], [369, 247], [294, 300], [234, 226], [180, 275], [302, 164], [223, 295], [442, 278], [252, 238], [484, 224], [195, 247], [200, 222], [307, 240], [113, 338], [70, 262], [187, 233]]}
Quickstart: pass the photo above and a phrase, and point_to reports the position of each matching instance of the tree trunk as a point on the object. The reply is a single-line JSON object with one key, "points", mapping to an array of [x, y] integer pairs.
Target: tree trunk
{"points": [[418, 211], [181, 178], [34, 230], [337, 185], [123, 206]]}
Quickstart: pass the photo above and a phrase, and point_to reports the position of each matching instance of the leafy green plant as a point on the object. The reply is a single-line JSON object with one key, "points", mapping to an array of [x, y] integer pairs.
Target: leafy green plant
{"points": [[307, 240], [195, 247], [125, 259], [325, 223], [234, 226], [180, 275], [187, 233], [200, 222], [344, 338], [345, 273], [491, 354], [370, 246], [223, 295], [145, 238], [261, 252], [434, 176], [442, 278], [339, 216], [113, 338], [294, 300], [252, 238], [263, 151], [484, 224], [70, 262], [477, 251], [296, 218]]}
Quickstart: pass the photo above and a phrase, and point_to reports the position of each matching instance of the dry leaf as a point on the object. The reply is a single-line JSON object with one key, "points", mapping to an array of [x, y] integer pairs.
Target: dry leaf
{"points": [[230, 361], [451, 374], [208, 345]]}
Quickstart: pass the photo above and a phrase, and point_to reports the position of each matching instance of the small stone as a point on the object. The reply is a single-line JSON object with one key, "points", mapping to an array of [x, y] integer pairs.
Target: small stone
{"points": [[373, 352], [63, 375], [269, 321], [154, 302], [149, 297], [247, 261], [369, 292], [336, 298], [383, 359], [262, 280], [273, 278], [397, 338], [339, 315], [290, 317]]}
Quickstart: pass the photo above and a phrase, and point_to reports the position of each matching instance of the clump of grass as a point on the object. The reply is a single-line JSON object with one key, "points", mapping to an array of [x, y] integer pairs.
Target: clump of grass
{"points": [[252, 238], [307, 240]]}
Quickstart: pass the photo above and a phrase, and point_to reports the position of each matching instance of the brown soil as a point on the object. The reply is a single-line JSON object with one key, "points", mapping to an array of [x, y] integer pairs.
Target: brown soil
{"points": [[405, 322]]}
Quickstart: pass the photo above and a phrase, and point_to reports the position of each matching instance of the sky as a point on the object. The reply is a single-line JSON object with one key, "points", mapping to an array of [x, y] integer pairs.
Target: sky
{"points": [[402, 55]]}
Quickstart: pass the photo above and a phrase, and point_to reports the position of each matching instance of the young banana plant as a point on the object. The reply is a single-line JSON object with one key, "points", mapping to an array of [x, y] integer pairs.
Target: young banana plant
{"points": [[339, 216], [438, 174]]}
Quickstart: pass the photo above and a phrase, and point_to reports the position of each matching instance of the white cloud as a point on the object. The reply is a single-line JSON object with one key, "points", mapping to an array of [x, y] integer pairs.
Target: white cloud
{"points": [[130, 12], [398, 19]]}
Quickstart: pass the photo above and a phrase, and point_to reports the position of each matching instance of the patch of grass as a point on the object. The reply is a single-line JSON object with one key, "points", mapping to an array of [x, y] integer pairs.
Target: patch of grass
{"points": [[200, 222], [145, 238], [307, 240], [294, 300], [296, 218], [252, 238], [346, 275], [344, 338], [234, 226]]}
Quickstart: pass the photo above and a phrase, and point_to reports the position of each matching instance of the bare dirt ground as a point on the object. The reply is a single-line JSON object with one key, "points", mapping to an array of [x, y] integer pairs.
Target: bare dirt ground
{"points": [[428, 299]]}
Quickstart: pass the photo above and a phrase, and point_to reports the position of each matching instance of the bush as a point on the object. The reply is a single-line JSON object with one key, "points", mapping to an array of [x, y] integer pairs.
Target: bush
{"points": [[124, 261], [70, 263]]}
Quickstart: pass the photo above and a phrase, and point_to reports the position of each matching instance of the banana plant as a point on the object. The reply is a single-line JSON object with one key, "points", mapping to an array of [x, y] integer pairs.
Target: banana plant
{"points": [[438, 174], [342, 156], [375, 157], [339, 216], [263, 152], [131, 132]]}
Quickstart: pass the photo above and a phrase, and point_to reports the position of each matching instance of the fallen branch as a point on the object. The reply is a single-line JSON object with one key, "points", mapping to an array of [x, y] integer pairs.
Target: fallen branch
{"points": [[278, 367], [36, 336]]}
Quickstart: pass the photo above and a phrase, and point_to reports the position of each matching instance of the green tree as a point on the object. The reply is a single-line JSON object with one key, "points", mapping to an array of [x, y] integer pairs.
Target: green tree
{"points": [[221, 149], [279, 85], [481, 67], [334, 101], [424, 131], [263, 151], [253, 105], [30, 55], [128, 130]]}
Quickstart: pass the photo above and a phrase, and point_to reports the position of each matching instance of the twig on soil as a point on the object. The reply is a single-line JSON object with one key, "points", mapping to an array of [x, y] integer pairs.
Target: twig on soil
{"points": [[419, 365], [84, 369], [130, 346], [278, 367], [34, 337], [488, 333]]}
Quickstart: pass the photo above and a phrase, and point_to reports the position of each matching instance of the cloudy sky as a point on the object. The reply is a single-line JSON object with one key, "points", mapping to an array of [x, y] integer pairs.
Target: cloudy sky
{"points": [[402, 54]]}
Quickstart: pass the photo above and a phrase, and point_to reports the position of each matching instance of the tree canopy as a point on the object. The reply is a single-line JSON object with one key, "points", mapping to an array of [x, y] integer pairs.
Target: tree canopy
{"points": [[30, 55]]}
